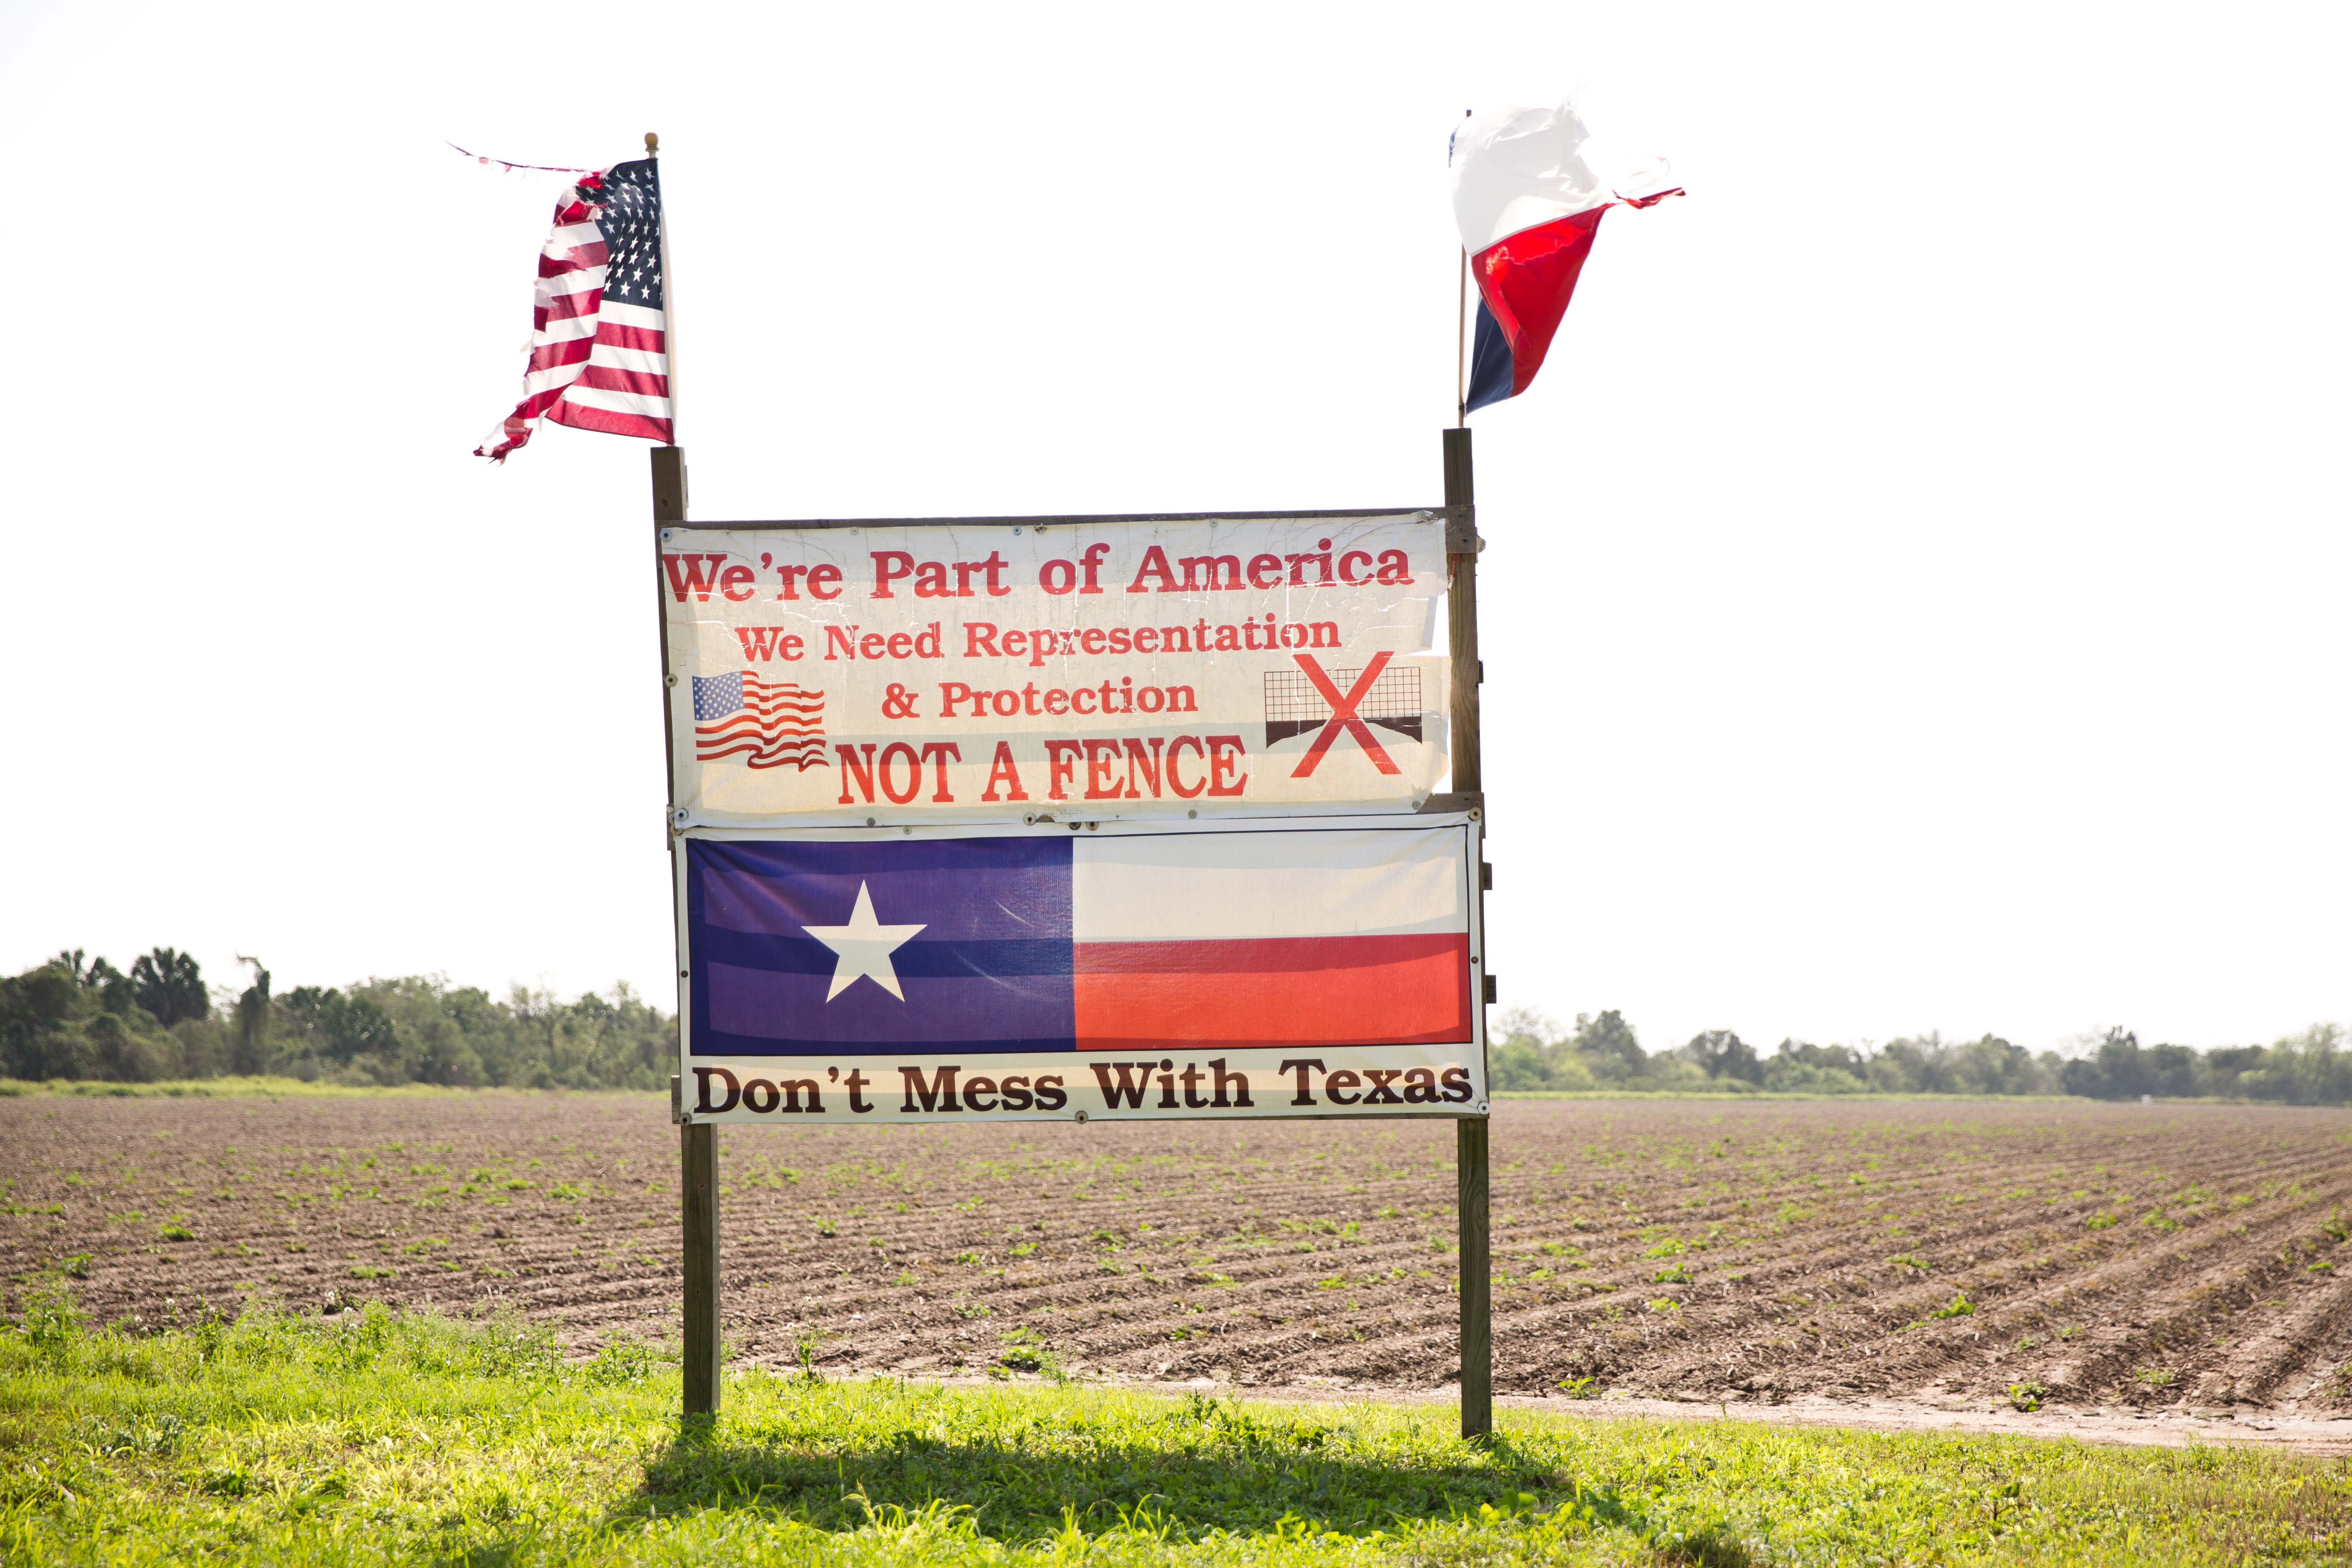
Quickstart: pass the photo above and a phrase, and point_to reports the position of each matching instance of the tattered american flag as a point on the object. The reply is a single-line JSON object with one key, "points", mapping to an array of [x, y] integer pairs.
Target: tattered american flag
{"points": [[768, 725], [599, 344]]}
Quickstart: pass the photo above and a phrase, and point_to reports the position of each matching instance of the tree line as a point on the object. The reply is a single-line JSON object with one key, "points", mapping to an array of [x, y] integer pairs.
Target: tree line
{"points": [[82, 1018], [1532, 1052], [78, 1018]]}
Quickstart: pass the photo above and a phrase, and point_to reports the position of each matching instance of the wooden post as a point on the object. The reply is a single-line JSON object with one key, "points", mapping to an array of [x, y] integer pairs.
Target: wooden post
{"points": [[698, 1146], [1462, 603], [697, 1159], [1477, 1293], [669, 506], [1470, 1147], [1470, 1137]]}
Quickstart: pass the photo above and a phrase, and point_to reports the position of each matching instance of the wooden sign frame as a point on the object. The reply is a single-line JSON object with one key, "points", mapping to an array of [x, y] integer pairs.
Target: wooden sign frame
{"points": [[698, 1141]]}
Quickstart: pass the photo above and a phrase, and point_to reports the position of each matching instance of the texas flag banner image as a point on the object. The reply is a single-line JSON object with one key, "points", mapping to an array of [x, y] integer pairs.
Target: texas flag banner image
{"points": [[1529, 186], [1283, 971]]}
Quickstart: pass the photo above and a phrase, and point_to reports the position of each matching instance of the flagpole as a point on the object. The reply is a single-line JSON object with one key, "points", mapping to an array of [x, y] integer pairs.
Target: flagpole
{"points": [[1471, 1142], [1471, 1146], [1461, 338], [669, 299], [697, 1142], [1461, 344]]}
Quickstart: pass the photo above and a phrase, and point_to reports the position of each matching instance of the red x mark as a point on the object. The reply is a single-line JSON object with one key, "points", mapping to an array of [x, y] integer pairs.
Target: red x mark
{"points": [[1343, 715]]}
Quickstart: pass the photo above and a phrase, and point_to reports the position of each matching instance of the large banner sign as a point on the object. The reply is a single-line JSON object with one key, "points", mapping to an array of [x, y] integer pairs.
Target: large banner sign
{"points": [[1068, 819], [1110, 970], [1094, 668]]}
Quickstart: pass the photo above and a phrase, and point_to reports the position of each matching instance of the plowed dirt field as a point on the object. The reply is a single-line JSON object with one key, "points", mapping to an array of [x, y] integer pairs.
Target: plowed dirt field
{"points": [[1739, 1252]]}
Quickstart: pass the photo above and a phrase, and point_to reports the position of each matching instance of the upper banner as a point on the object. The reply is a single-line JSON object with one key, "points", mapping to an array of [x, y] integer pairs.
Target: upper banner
{"points": [[1091, 668]]}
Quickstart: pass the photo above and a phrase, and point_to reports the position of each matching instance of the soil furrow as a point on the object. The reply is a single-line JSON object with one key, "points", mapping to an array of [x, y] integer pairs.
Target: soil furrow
{"points": [[1706, 1249]]}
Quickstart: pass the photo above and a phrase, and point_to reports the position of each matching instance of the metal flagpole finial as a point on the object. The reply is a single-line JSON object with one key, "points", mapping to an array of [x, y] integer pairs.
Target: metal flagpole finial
{"points": [[653, 145]]}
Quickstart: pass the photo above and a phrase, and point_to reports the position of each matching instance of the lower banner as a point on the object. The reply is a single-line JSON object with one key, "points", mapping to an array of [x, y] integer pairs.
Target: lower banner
{"points": [[1074, 972]]}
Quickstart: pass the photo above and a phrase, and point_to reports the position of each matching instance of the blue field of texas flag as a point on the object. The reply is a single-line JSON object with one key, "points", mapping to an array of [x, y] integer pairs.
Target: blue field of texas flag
{"points": [[1079, 942]]}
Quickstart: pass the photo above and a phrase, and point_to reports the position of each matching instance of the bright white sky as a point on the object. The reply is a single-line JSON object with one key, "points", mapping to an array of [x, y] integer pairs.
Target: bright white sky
{"points": [[1916, 589]]}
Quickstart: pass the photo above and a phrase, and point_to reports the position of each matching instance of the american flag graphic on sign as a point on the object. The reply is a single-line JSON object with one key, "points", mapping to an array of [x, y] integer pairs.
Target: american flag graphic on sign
{"points": [[768, 725], [599, 338]]}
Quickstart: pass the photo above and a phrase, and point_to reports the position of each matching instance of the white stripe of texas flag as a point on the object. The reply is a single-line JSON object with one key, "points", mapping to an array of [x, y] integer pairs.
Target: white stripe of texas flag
{"points": [[1232, 886]]}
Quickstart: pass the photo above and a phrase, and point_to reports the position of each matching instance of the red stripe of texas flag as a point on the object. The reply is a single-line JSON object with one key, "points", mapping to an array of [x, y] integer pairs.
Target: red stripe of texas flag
{"points": [[1526, 281], [1272, 991]]}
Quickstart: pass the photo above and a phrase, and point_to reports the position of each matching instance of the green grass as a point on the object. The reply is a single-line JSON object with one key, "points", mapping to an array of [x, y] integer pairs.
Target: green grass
{"points": [[375, 1438]]}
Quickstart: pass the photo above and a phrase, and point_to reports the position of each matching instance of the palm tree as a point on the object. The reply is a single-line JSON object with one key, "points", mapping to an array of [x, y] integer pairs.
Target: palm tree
{"points": [[169, 985], [252, 1017]]}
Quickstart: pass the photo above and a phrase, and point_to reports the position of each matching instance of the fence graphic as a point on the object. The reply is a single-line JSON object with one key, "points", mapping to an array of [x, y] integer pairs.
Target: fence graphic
{"points": [[1293, 706]]}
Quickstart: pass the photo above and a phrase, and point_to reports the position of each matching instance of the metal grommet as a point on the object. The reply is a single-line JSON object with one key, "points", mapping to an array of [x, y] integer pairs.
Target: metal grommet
{"points": [[1193, 812], [869, 822], [1079, 1116]]}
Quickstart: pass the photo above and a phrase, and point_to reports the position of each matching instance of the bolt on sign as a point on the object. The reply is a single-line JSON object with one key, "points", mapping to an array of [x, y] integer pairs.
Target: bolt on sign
{"points": [[1123, 817]]}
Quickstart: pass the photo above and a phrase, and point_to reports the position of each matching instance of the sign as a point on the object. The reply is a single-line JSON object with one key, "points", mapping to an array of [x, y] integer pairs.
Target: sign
{"points": [[1068, 819], [1120, 969], [1097, 668]]}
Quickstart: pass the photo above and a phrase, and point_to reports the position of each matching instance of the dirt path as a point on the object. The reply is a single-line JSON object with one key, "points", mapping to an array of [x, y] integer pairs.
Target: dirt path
{"points": [[2325, 1435]]}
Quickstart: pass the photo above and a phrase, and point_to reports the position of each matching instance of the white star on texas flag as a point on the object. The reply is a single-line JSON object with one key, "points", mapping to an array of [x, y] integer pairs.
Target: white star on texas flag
{"points": [[865, 948]]}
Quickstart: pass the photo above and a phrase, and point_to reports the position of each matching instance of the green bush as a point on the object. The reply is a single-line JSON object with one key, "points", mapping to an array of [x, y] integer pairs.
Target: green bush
{"points": [[1532, 1053]]}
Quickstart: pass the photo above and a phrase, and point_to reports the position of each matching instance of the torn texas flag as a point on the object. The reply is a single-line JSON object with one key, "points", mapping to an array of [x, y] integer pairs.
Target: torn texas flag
{"points": [[1529, 186]]}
